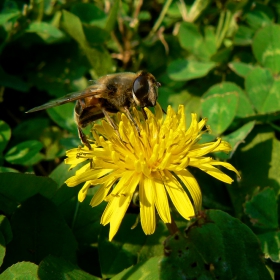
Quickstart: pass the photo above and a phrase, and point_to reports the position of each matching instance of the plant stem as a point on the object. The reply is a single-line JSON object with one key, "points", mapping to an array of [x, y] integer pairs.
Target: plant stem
{"points": [[160, 19], [75, 214]]}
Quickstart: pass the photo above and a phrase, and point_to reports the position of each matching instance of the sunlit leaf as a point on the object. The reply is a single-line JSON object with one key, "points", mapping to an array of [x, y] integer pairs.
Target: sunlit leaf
{"points": [[243, 36], [240, 68], [220, 110], [270, 242], [184, 70], [260, 16], [21, 270], [266, 47], [46, 31], [23, 152], [263, 90], [237, 137], [57, 268], [147, 269], [5, 135]]}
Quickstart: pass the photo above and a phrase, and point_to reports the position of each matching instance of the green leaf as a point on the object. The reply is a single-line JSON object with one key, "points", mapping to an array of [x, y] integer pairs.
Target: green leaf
{"points": [[272, 102], [262, 209], [263, 91], [10, 11], [39, 227], [243, 36], [222, 55], [216, 246], [46, 31], [244, 106], [144, 270], [99, 58], [23, 152], [11, 81], [2, 248], [153, 244], [12, 191], [21, 271], [122, 251], [112, 17], [240, 68], [64, 116], [90, 14], [73, 27], [6, 236], [53, 268], [191, 39], [270, 242], [184, 70], [260, 147], [7, 169], [61, 173], [5, 135], [266, 47], [165, 94], [95, 35], [191, 102], [87, 222], [5, 229], [237, 137], [34, 127], [61, 74], [260, 16], [220, 109]]}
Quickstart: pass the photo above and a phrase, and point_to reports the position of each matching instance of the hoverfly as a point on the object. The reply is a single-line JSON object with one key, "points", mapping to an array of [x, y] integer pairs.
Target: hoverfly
{"points": [[109, 94]]}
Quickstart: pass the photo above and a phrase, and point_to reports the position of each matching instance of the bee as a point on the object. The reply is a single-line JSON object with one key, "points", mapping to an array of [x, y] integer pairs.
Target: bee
{"points": [[109, 94]]}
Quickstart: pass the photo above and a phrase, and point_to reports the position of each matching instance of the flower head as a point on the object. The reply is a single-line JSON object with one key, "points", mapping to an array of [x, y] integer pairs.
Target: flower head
{"points": [[154, 163]]}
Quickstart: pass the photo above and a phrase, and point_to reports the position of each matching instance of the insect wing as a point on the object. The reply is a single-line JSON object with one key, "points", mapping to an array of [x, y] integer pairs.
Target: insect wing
{"points": [[93, 90]]}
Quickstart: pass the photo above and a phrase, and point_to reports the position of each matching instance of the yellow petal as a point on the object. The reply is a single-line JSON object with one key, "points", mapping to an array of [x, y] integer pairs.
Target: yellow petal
{"points": [[102, 192], [128, 179], [125, 187], [226, 165], [158, 114], [83, 191], [147, 207], [118, 214], [161, 202], [86, 176], [215, 172], [199, 150], [178, 196], [223, 147], [191, 184]]}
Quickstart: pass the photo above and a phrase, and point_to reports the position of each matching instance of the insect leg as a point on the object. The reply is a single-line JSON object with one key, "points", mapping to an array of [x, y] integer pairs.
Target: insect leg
{"points": [[111, 122], [131, 119], [83, 138]]}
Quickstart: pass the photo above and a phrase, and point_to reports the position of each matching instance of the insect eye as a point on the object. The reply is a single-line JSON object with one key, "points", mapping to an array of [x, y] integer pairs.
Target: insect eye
{"points": [[141, 87]]}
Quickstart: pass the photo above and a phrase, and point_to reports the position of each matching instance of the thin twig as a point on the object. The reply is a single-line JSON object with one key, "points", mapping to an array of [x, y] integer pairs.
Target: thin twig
{"points": [[160, 19]]}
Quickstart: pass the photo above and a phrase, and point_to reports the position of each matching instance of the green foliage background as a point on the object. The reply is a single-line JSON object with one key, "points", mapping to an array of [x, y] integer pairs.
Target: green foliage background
{"points": [[221, 59]]}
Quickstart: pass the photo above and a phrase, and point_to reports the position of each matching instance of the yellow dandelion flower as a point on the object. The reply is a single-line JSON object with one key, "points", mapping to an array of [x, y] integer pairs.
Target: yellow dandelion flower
{"points": [[153, 163]]}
